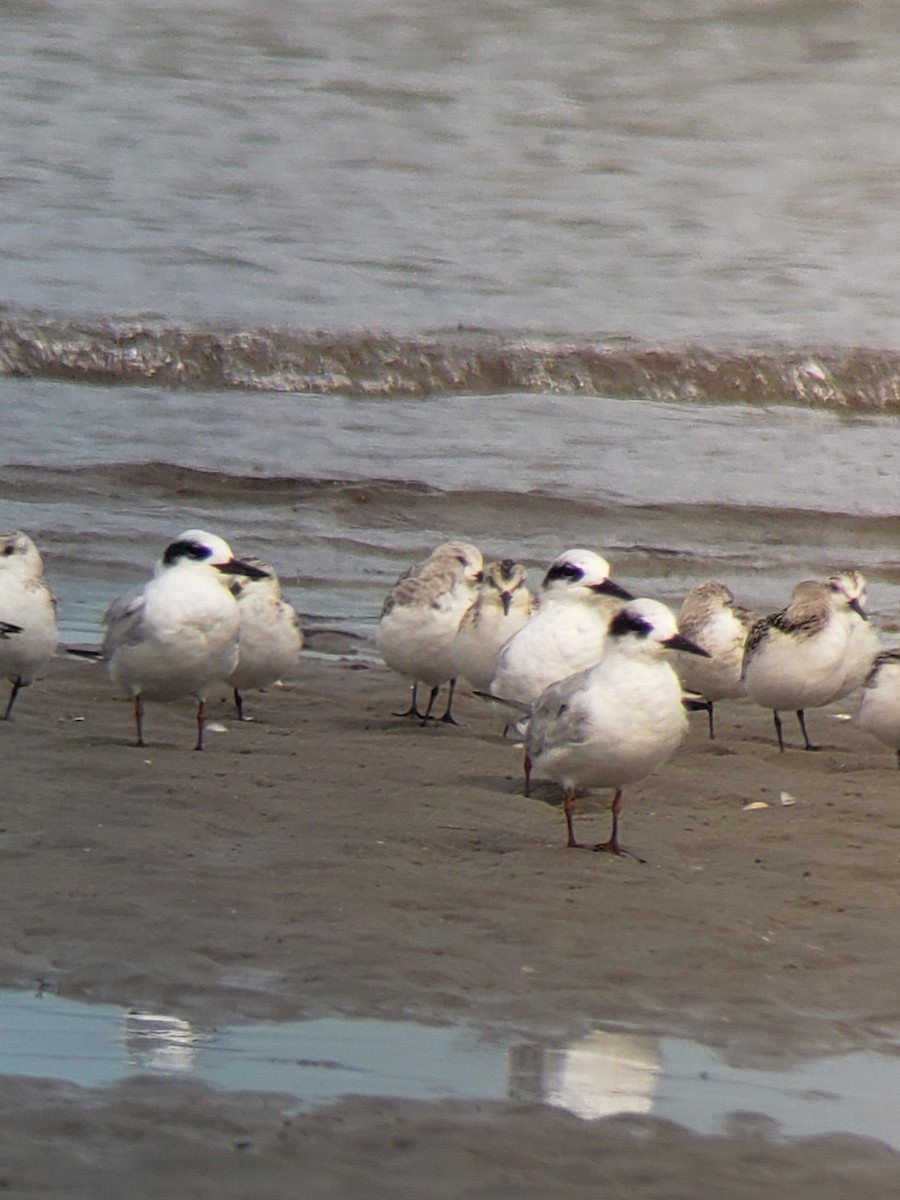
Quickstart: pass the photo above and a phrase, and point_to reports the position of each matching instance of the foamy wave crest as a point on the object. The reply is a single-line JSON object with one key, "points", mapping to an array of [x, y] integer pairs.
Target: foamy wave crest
{"points": [[372, 363]]}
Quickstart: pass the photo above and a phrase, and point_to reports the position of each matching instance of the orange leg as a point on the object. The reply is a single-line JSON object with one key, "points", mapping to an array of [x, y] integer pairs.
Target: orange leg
{"points": [[612, 845]]}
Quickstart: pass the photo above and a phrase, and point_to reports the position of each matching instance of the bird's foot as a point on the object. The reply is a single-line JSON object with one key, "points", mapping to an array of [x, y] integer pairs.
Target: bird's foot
{"points": [[613, 847]]}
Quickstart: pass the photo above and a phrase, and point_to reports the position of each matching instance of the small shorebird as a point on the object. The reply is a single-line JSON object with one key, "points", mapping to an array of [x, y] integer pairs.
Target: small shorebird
{"points": [[270, 638], [864, 643], [502, 606], [178, 635], [420, 618], [711, 619], [566, 633], [796, 658], [617, 721], [28, 629], [879, 705]]}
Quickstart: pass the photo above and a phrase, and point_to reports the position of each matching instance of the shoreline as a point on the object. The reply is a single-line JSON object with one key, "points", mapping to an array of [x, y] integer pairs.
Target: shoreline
{"points": [[329, 859], [326, 788]]}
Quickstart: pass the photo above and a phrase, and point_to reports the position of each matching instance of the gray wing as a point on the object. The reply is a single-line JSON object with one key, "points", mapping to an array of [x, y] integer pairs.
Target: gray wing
{"points": [[123, 622], [559, 718]]}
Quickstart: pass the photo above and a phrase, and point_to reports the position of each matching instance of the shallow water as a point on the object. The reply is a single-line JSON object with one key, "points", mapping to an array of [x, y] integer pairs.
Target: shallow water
{"points": [[659, 168], [343, 287], [537, 275], [320, 1061], [341, 494]]}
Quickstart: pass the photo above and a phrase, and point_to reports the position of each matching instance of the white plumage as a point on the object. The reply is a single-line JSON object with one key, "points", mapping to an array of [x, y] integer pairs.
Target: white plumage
{"points": [[420, 617], [567, 632], [711, 619], [269, 639], [879, 704], [864, 643], [178, 635], [797, 658], [28, 628], [617, 721], [502, 606]]}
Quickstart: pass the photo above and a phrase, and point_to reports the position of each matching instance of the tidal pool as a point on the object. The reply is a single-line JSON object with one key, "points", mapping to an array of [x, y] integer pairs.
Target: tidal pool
{"points": [[317, 1062]]}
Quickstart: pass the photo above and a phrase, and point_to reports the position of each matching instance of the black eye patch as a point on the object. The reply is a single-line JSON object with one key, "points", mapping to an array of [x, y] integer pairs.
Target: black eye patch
{"points": [[625, 622], [565, 570], [192, 550]]}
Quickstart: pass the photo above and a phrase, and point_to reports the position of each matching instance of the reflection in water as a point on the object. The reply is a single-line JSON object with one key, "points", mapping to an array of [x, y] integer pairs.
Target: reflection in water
{"points": [[155, 1042], [595, 1076], [315, 1063]]}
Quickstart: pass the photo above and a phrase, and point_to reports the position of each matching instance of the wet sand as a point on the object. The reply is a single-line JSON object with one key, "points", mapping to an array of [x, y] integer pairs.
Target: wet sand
{"points": [[328, 858]]}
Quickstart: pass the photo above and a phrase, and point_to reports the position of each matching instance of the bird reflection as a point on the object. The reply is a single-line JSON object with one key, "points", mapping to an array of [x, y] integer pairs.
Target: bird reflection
{"points": [[596, 1076], [154, 1042]]}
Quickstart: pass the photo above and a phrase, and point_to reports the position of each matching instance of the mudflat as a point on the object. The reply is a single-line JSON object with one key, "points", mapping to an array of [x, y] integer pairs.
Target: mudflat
{"points": [[328, 858]]}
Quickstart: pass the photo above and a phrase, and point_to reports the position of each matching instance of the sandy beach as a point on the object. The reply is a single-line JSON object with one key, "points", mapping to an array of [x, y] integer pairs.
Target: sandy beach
{"points": [[330, 859]]}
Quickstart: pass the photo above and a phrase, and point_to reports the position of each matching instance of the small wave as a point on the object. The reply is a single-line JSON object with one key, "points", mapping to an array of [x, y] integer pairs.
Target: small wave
{"points": [[630, 527], [380, 364], [172, 480]]}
